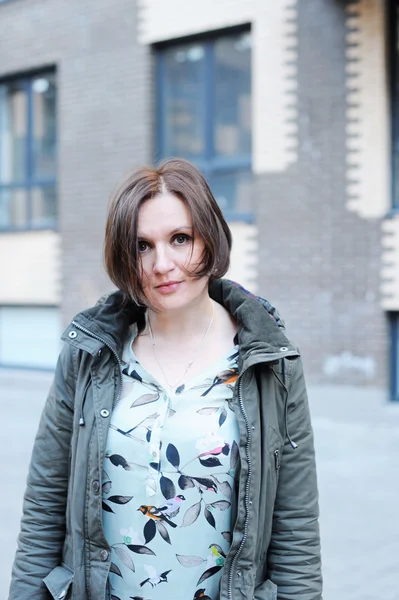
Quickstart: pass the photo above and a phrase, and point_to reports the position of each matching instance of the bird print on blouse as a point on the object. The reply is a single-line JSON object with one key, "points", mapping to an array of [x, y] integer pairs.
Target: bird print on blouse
{"points": [[168, 483]]}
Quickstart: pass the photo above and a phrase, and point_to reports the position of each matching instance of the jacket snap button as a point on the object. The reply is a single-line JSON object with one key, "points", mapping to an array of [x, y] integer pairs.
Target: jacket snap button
{"points": [[238, 573], [96, 486], [62, 595], [283, 349], [104, 555], [99, 353], [72, 335], [104, 413]]}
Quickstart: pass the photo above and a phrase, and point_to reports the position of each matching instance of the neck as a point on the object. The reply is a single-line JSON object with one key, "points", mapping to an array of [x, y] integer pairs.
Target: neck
{"points": [[182, 324]]}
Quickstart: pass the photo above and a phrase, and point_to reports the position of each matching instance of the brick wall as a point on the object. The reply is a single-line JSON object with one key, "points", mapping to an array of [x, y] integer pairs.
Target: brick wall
{"points": [[319, 262], [104, 115]]}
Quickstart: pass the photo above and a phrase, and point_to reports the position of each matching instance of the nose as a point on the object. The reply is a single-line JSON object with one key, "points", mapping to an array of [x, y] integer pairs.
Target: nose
{"points": [[163, 262]]}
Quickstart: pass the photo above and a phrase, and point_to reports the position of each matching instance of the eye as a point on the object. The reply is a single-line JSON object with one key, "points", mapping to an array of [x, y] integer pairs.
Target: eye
{"points": [[181, 238], [142, 246]]}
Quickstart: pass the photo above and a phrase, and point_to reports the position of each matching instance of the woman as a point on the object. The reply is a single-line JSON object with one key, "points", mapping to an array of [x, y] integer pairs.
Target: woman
{"points": [[174, 458]]}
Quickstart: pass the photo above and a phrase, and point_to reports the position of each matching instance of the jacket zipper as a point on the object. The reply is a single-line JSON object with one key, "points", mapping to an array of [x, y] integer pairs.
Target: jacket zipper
{"points": [[248, 482], [114, 352], [247, 486], [277, 463]]}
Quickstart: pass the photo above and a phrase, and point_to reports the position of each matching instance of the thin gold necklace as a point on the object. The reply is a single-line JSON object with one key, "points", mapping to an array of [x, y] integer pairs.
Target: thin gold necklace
{"points": [[174, 386]]}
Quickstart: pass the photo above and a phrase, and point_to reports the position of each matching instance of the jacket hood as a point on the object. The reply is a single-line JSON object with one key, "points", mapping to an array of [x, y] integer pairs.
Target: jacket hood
{"points": [[260, 328]]}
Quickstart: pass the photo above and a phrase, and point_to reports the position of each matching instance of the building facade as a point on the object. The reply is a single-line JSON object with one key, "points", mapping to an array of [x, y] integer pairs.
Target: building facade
{"points": [[288, 108]]}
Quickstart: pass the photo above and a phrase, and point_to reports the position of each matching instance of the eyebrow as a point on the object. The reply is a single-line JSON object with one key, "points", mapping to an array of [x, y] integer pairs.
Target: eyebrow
{"points": [[176, 230]]}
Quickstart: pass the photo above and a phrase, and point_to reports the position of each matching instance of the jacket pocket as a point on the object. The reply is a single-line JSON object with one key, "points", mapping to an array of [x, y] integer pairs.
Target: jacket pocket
{"points": [[58, 582], [266, 591]]}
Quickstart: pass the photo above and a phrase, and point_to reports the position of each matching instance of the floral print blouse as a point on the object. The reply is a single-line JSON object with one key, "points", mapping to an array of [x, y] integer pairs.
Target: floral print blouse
{"points": [[169, 482]]}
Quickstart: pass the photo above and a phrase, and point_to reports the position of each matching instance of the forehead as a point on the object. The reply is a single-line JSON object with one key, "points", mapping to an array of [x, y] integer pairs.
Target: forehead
{"points": [[161, 214]]}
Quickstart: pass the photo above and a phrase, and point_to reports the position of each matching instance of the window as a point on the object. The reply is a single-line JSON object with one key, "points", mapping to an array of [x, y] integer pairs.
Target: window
{"points": [[28, 140], [204, 112]]}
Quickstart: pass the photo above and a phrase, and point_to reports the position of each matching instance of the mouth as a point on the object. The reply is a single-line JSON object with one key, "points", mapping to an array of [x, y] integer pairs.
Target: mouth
{"points": [[168, 286]]}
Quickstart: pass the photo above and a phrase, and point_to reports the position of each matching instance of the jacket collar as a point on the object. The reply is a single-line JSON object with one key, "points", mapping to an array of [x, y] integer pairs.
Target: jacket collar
{"points": [[260, 330]]}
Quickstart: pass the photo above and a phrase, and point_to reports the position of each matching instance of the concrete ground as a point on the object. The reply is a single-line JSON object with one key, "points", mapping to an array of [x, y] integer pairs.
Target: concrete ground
{"points": [[357, 445]]}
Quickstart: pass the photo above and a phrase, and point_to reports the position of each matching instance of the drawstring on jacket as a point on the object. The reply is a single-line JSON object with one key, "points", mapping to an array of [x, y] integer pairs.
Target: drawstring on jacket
{"points": [[82, 419]]}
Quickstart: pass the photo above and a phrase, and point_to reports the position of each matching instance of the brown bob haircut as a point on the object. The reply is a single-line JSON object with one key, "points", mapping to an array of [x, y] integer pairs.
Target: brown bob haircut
{"points": [[175, 176]]}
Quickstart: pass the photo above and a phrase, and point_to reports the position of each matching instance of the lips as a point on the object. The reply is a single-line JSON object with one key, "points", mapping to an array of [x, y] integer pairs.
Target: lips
{"points": [[168, 287], [167, 283]]}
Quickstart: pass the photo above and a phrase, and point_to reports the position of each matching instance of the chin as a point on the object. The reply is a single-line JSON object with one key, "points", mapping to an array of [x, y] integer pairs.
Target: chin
{"points": [[165, 304], [176, 301]]}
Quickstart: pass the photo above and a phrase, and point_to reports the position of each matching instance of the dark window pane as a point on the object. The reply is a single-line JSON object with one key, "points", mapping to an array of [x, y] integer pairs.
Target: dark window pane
{"points": [[44, 206], [44, 126], [13, 132], [183, 108], [13, 208], [233, 191], [232, 134]]}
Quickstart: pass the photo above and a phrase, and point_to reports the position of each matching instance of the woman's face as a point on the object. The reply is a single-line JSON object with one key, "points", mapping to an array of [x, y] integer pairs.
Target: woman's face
{"points": [[166, 245]]}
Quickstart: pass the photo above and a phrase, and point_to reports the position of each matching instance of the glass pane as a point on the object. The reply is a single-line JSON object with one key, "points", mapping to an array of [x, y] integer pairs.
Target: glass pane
{"points": [[232, 135], [183, 106], [13, 208], [13, 132], [44, 206], [233, 191], [44, 126]]}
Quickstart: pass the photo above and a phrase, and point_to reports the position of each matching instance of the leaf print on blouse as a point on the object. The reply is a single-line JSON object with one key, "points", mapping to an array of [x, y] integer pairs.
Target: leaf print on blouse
{"points": [[145, 399], [226, 377], [116, 570], [153, 578], [131, 543], [210, 410], [119, 461], [208, 458], [115, 500], [214, 562], [147, 423], [106, 483]]}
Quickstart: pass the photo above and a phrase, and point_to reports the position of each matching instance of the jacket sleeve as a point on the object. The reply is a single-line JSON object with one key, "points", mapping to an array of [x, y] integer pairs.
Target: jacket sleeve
{"points": [[42, 531], [294, 562]]}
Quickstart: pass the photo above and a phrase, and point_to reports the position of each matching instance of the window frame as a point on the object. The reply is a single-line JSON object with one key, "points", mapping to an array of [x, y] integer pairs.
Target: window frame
{"points": [[393, 77], [209, 164], [394, 356], [30, 182]]}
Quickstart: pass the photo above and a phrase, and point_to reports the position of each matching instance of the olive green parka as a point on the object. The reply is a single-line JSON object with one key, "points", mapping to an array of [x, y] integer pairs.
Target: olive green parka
{"points": [[275, 552]]}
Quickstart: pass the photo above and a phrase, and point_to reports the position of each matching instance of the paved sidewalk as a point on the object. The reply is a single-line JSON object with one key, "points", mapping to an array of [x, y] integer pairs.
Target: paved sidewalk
{"points": [[357, 445]]}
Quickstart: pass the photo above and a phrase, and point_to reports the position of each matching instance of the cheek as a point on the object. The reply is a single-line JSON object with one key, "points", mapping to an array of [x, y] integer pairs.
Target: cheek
{"points": [[144, 271], [194, 257]]}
